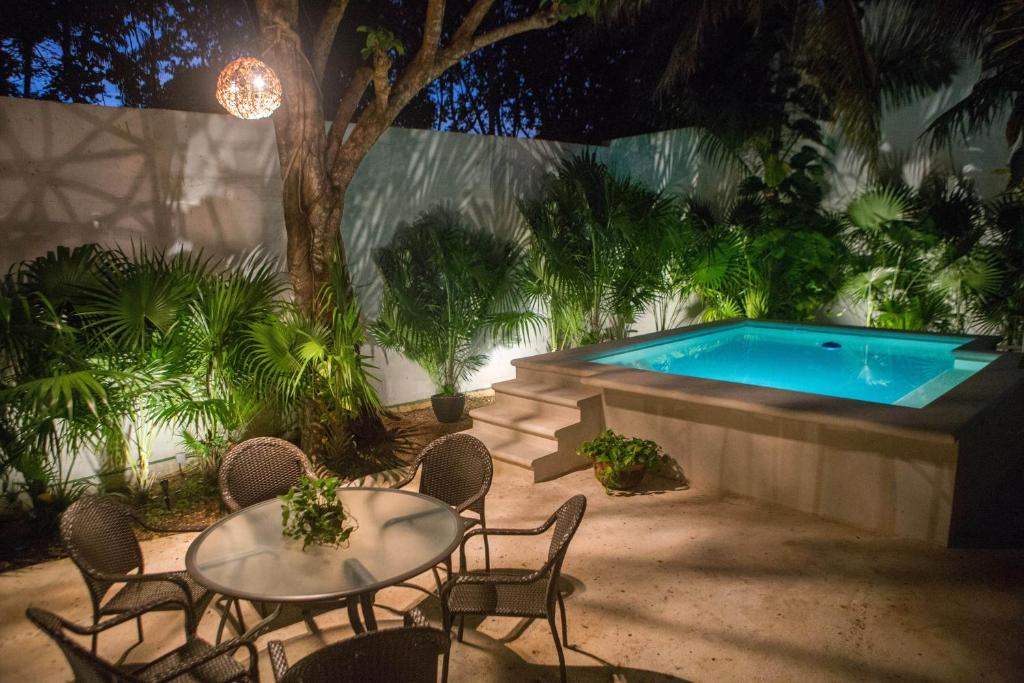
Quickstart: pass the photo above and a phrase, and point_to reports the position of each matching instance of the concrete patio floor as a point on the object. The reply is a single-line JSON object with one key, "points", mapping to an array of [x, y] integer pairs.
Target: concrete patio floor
{"points": [[672, 585]]}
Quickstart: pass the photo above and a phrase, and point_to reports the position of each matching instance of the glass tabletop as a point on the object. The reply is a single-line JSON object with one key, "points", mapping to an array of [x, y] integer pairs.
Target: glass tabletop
{"points": [[401, 534]]}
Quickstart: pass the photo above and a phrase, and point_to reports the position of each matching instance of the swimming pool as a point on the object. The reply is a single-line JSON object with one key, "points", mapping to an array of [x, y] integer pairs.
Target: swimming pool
{"points": [[903, 370], [904, 434]]}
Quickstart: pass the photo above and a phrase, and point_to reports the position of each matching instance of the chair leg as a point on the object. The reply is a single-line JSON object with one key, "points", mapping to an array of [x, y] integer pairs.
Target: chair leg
{"points": [[462, 625], [446, 626], [225, 614], [94, 636], [238, 611], [565, 624], [558, 647], [487, 553], [138, 623]]}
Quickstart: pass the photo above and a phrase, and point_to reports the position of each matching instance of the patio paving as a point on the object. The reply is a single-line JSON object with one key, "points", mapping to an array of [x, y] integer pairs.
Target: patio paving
{"points": [[673, 585]]}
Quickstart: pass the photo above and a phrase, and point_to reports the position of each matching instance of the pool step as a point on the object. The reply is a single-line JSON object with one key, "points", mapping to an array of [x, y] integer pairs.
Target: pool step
{"points": [[935, 387], [538, 425]]}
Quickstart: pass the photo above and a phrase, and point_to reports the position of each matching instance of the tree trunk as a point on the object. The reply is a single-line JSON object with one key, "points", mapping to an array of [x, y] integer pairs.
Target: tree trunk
{"points": [[316, 167], [27, 54]]}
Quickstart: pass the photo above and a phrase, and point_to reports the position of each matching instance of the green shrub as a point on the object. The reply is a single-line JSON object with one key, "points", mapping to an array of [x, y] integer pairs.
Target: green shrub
{"points": [[449, 291], [312, 512], [620, 453]]}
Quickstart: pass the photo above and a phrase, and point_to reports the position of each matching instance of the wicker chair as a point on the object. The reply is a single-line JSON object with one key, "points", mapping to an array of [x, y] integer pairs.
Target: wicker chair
{"points": [[97, 533], [196, 660], [457, 470], [257, 470], [399, 654], [260, 469], [532, 595]]}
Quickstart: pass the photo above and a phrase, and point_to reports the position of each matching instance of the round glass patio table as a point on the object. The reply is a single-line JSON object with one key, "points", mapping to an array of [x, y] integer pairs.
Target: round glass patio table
{"points": [[400, 534]]}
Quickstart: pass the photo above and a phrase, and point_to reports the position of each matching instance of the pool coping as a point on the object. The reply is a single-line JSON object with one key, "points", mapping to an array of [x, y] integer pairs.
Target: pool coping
{"points": [[943, 420]]}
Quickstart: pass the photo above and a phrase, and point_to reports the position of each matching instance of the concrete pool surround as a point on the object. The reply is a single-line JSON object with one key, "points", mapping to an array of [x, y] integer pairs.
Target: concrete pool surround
{"points": [[948, 473]]}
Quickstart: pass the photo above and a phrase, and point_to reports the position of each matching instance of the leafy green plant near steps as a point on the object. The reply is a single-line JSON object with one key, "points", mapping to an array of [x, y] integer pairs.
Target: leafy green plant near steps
{"points": [[448, 290], [312, 513], [614, 455], [597, 255]]}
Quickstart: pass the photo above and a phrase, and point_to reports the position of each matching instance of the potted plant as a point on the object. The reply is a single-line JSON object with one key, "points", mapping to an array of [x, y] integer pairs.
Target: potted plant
{"points": [[621, 463], [449, 289], [312, 512]]}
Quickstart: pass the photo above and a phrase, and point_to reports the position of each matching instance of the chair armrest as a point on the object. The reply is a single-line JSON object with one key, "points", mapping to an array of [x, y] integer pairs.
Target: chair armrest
{"points": [[278, 659], [407, 479], [115, 620], [228, 648], [170, 577], [465, 505], [500, 532]]}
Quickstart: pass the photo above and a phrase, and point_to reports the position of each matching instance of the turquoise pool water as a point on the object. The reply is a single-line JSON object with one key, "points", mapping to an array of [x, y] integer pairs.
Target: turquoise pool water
{"points": [[898, 369]]}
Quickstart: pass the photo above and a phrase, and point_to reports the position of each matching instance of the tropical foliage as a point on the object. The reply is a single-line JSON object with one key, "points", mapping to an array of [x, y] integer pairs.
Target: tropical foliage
{"points": [[449, 289], [596, 251], [771, 253], [997, 92], [102, 349], [839, 60], [615, 454], [311, 512], [929, 258]]}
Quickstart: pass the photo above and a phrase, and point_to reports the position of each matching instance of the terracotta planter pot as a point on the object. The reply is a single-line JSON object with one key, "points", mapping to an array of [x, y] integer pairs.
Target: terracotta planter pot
{"points": [[448, 409], [629, 477]]}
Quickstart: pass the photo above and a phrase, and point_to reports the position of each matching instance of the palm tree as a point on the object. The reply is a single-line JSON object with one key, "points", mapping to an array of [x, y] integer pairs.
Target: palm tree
{"points": [[309, 366], [104, 347], [1000, 89], [597, 250], [449, 290], [924, 258], [839, 60]]}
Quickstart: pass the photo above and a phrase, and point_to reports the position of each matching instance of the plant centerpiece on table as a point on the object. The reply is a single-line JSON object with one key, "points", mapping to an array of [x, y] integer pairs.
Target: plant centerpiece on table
{"points": [[312, 512], [620, 463], [449, 289]]}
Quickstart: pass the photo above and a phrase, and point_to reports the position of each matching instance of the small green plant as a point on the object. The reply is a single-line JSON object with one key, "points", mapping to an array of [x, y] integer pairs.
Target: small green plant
{"points": [[312, 512], [619, 462]]}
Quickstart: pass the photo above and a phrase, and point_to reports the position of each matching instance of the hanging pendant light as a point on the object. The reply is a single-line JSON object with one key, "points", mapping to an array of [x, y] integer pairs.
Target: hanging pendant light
{"points": [[249, 89]]}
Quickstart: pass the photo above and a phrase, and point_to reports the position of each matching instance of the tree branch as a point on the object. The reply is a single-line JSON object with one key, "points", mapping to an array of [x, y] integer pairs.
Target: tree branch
{"points": [[374, 120], [474, 17], [431, 30], [346, 110], [325, 34], [381, 78], [458, 50]]}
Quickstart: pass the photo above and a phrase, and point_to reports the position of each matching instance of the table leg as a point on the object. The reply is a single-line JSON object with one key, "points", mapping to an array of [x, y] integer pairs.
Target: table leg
{"points": [[353, 616], [366, 600]]}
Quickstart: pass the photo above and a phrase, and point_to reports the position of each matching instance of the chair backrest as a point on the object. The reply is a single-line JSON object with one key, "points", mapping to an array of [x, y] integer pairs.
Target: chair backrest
{"points": [[260, 469], [87, 667], [97, 533], [399, 654], [455, 468], [567, 520]]}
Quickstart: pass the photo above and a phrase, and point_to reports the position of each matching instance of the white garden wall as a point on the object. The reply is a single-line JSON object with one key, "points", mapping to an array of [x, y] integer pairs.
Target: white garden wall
{"points": [[71, 174]]}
